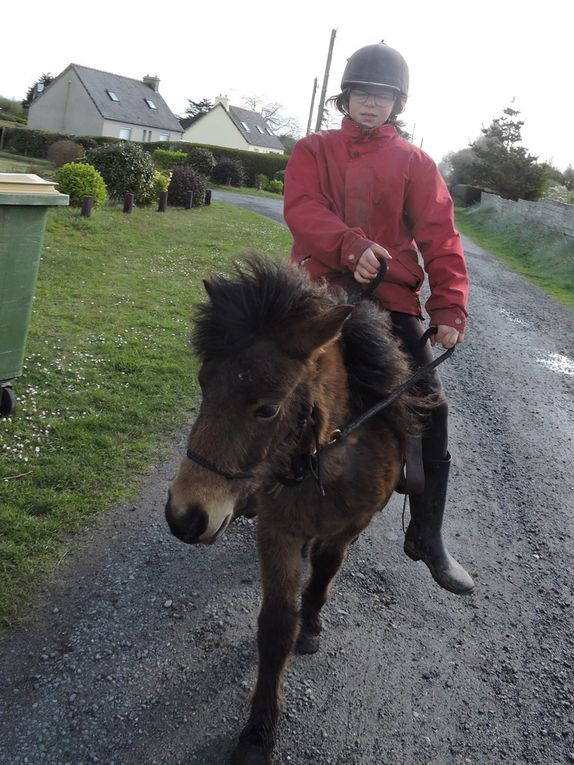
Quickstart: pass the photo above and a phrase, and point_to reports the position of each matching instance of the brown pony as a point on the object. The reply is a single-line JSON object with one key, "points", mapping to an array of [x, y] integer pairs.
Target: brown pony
{"points": [[285, 365]]}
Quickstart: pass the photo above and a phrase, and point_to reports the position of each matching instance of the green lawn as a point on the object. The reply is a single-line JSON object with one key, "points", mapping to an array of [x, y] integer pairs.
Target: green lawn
{"points": [[108, 378], [16, 163]]}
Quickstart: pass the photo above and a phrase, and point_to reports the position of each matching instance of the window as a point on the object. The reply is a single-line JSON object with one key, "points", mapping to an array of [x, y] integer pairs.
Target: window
{"points": [[245, 126], [125, 134], [112, 95], [164, 136], [260, 129], [150, 103]]}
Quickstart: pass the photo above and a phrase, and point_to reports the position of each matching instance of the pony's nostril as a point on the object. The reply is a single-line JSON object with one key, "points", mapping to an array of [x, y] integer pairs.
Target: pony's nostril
{"points": [[187, 524], [196, 522]]}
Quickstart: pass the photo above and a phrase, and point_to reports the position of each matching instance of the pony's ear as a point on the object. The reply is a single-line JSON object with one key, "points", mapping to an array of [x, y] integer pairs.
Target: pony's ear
{"points": [[317, 331]]}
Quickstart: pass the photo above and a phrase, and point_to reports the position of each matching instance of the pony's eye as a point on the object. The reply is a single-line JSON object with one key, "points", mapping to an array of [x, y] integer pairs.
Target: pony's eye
{"points": [[267, 411]]}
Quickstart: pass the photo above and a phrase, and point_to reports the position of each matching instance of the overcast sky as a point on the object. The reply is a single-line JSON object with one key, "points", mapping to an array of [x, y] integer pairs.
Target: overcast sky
{"points": [[467, 60]]}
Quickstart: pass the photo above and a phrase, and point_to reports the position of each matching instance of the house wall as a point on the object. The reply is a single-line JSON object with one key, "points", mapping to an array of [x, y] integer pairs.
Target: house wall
{"points": [[557, 216], [218, 129], [112, 128], [65, 107]]}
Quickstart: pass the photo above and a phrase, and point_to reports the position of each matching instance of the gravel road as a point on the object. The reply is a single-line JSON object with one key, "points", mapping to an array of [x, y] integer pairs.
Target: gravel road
{"points": [[142, 649]]}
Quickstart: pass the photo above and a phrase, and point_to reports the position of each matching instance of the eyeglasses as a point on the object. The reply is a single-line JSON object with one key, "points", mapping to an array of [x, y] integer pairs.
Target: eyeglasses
{"points": [[380, 99]]}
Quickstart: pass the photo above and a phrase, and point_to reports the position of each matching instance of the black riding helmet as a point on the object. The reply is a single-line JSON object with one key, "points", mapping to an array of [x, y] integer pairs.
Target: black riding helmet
{"points": [[378, 65]]}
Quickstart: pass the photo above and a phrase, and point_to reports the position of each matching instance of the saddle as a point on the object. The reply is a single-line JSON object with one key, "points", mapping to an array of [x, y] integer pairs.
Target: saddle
{"points": [[412, 477]]}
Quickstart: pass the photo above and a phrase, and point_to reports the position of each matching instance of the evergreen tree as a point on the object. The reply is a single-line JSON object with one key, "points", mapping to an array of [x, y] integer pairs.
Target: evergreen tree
{"points": [[198, 107], [44, 80], [503, 166]]}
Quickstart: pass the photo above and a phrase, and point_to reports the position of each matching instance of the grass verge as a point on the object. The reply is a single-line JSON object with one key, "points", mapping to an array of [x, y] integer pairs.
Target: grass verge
{"points": [[543, 257], [108, 377]]}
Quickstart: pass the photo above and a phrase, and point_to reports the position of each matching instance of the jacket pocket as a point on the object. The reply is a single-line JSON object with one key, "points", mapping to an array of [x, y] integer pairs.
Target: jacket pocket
{"points": [[403, 269]]}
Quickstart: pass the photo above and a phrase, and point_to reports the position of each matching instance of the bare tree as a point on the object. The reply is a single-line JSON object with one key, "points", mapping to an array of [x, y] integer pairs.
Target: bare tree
{"points": [[272, 113]]}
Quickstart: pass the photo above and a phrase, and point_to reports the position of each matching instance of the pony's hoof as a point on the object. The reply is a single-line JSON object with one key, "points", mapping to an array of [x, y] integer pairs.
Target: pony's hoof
{"points": [[307, 643], [247, 754]]}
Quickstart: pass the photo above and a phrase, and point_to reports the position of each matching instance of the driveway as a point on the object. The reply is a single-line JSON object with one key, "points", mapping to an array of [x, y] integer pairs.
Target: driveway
{"points": [[142, 650]]}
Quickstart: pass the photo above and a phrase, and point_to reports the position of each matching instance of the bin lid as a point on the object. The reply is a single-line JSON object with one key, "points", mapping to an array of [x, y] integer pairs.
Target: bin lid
{"points": [[29, 189]]}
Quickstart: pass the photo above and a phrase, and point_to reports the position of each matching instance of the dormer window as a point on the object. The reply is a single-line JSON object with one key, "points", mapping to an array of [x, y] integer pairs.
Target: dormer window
{"points": [[150, 103], [112, 95], [246, 126]]}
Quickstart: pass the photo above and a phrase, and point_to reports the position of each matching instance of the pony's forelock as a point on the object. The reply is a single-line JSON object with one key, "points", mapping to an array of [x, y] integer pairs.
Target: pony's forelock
{"points": [[260, 298]]}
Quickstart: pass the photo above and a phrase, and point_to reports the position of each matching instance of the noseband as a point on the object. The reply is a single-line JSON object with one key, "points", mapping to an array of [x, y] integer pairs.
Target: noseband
{"points": [[199, 460]]}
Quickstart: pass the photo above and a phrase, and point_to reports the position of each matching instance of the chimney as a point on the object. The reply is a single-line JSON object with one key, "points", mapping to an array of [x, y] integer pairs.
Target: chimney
{"points": [[223, 100], [152, 82]]}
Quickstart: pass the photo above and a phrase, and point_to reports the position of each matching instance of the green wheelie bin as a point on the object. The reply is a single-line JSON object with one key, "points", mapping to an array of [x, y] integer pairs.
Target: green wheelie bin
{"points": [[24, 203]]}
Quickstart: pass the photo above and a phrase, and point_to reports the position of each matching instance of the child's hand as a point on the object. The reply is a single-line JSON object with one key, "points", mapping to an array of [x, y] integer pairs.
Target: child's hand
{"points": [[368, 265], [446, 336]]}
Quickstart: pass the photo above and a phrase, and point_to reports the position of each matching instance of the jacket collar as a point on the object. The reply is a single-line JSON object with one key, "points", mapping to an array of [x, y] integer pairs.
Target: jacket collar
{"points": [[355, 132]]}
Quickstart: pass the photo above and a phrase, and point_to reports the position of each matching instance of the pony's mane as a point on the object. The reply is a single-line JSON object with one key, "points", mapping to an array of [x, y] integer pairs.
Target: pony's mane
{"points": [[255, 302], [375, 363], [263, 297]]}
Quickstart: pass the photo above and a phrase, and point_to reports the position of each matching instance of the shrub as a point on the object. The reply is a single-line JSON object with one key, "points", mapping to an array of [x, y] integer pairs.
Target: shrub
{"points": [[261, 182], [160, 183], [183, 180], [167, 160], [79, 180], [201, 160], [253, 162], [558, 193], [228, 172], [10, 107], [86, 142], [64, 151], [276, 186], [124, 167]]}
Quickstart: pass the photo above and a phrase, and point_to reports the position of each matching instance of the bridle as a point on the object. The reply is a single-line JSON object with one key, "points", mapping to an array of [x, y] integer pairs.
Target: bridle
{"points": [[311, 461], [199, 460]]}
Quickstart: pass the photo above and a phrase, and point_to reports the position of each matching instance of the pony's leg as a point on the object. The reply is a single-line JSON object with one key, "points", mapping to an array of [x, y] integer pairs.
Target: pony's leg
{"points": [[280, 561], [327, 557]]}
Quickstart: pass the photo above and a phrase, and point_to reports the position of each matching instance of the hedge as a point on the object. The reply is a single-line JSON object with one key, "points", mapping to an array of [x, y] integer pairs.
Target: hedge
{"points": [[255, 163], [35, 143]]}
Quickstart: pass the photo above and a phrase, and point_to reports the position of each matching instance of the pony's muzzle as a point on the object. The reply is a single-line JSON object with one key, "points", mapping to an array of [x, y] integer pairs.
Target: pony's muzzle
{"points": [[197, 522], [188, 524]]}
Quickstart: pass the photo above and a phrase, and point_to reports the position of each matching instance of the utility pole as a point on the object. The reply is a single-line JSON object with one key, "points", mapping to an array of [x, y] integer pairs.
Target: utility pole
{"points": [[312, 106], [325, 81]]}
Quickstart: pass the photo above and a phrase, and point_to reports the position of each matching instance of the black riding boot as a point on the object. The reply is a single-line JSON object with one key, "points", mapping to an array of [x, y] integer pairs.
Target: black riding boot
{"points": [[423, 540]]}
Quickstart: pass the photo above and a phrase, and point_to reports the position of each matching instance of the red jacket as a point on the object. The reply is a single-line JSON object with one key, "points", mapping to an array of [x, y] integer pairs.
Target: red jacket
{"points": [[346, 189]]}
